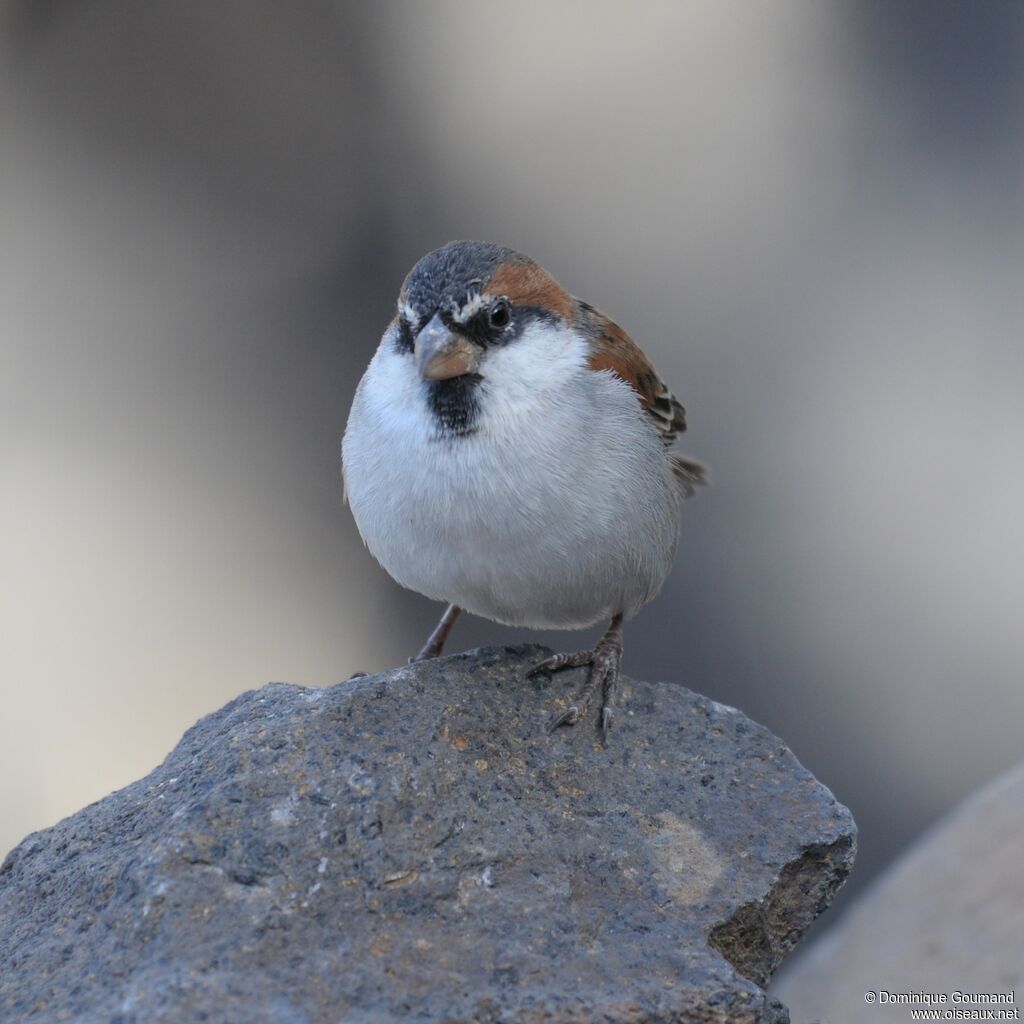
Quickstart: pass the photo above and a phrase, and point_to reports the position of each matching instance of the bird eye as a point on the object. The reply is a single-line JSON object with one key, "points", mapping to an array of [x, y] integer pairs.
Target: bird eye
{"points": [[500, 313]]}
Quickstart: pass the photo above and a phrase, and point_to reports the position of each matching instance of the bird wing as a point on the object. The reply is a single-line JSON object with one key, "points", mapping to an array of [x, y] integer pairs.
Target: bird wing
{"points": [[614, 350]]}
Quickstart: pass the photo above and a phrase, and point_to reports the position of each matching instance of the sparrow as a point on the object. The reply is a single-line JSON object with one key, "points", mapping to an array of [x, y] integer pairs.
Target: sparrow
{"points": [[509, 451]]}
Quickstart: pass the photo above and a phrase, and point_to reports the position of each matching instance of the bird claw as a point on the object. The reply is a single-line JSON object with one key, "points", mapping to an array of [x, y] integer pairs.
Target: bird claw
{"points": [[570, 716], [607, 717], [559, 661]]}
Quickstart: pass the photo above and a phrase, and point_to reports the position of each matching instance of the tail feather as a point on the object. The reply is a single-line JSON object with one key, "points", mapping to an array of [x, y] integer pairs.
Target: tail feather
{"points": [[690, 474]]}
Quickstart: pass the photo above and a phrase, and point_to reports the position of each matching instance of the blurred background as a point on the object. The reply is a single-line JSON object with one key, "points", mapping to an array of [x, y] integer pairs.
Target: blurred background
{"points": [[810, 215]]}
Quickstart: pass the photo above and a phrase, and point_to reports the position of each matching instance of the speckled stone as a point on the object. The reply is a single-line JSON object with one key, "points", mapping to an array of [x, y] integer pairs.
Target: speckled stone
{"points": [[414, 846], [947, 916]]}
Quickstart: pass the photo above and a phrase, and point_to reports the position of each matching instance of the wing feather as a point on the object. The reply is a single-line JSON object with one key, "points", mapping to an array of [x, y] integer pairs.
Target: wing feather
{"points": [[615, 350]]}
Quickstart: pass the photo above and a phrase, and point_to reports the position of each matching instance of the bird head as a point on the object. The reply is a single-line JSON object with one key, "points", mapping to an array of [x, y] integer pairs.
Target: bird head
{"points": [[468, 298]]}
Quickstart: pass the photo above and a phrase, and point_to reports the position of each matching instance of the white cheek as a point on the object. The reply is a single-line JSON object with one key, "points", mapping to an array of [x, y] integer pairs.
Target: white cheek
{"points": [[518, 379], [519, 375], [391, 389]]}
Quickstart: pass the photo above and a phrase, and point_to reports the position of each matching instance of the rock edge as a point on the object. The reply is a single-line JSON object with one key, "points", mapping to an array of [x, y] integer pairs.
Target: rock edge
{"points": [[414, 846]]}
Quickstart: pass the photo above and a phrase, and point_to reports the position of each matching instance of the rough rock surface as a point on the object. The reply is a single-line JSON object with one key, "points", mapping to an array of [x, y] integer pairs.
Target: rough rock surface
{"points": [[947, 916], [414, 846]]}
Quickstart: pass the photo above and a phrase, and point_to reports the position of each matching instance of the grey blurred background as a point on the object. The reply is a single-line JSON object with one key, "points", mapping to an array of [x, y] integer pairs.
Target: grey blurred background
{"points": [[810, 215]]}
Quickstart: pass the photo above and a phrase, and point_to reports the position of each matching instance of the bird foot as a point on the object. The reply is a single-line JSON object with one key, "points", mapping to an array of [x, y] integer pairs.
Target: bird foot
{"points": [[604, 661]]}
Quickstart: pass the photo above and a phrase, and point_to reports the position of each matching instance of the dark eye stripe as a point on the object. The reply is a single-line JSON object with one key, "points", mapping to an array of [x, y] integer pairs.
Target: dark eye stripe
{"points": [[480, 329], [404, 340]]}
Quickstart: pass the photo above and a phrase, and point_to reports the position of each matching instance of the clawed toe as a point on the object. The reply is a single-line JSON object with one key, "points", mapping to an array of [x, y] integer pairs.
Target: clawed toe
{"points": [[541, 666], [604, 662], [574, 712], [559, 661], [570, 716]]}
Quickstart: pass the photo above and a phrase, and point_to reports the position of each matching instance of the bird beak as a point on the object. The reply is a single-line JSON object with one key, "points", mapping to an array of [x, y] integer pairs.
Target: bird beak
{"points": [[441, 353]]}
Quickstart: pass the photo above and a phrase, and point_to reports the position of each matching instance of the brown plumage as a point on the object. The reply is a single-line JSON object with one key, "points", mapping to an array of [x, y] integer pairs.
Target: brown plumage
{"points": [[526, 283], [614, 350]]}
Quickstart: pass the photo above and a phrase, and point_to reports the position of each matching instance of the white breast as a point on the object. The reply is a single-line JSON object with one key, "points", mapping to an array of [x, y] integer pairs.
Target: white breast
{"points": [[559, 511]]}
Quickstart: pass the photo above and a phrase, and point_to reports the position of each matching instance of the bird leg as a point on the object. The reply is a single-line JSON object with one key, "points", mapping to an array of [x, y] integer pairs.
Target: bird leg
{"points": [[435, 643], [604, 661]]}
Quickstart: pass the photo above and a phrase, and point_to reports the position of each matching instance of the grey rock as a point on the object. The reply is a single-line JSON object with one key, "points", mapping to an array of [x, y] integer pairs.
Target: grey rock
{"points": [[947, 916], [414, 846]]}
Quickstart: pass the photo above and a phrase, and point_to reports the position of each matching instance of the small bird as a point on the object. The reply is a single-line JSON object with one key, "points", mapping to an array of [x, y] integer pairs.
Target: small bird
{"points": [[509, 452]]}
